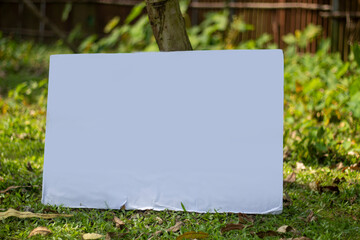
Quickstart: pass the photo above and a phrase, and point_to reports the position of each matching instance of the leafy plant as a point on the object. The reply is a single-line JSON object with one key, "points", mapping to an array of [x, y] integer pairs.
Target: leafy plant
{"points": [[215, 32], [321, 122], [24, 62], [356, 51]]}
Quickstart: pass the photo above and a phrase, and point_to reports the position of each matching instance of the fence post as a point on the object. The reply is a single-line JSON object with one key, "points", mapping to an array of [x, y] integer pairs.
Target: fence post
{"points": [[194, 15], [281, 22], [20, 18], [42, 24], [334, 27], [232, 11]]}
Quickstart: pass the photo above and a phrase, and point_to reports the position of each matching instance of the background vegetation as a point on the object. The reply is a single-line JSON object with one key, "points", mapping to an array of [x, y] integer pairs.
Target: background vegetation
{"points": [[321, 140]]}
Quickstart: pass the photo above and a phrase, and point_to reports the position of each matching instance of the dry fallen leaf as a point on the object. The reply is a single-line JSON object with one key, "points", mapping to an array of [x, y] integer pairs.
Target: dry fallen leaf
{"points": [[355, 166], [88, 236], [337, 166], [29, 167], [286, 200], [284, 229], [329, 189], [175, 228], [48, 209], [298, 238], [28, 209], [13, 213], [243, 218], [339, 180], [232, 226], [286, 154], [23, 136], [268, 233], [160, 221], [352, 153], [114, 235], [313, 186], [43, 231], [14, 187], [192, 235], [287, 229], [291, 178], [157, 232], [118, 222], [300, 166], [352, 199], [2, 74], [310, 217]]}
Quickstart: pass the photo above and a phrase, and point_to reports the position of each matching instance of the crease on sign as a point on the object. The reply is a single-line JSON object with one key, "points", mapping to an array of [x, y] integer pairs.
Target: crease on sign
{"points": [[275, 210], [123, 205], [106, 205], [159, 206], [188, 208]]}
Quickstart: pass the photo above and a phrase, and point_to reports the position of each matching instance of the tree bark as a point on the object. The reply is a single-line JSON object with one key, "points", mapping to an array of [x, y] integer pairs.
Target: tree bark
{"points": [[168, 25]]}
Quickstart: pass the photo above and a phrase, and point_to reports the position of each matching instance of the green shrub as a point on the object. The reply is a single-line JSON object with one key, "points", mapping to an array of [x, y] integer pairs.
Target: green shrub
{"points": [[322, 99]]}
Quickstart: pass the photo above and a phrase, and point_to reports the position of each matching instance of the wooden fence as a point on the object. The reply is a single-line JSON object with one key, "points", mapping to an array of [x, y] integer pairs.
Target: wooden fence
{"points": [[339, 19]]}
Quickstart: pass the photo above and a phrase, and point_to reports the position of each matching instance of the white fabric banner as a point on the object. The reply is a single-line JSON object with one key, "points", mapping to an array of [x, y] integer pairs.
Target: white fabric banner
{"points": [[157, 130]]}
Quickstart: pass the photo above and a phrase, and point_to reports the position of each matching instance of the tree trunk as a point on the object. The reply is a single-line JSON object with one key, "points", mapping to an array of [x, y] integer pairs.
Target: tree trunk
{"points": [[168, 25]]}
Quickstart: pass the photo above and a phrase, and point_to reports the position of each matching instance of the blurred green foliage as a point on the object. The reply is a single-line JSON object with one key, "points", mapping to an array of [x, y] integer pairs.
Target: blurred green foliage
{"points": [[322, 107], [322, 92], [218, 31], [321, 122]]}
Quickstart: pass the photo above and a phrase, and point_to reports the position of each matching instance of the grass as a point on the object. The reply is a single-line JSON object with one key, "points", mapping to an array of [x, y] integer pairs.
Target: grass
{"points": [[336, 214], [317, 134]]}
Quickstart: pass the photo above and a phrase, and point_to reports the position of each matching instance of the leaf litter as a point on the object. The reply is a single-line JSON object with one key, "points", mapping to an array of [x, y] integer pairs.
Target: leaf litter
{"points": [[286, 200], [287, 229], [193, 235], [243, 221], [353, 167], [118, 223], [29, 167], [278, 233], [268, 233], [243, 218], [14, 213], [176, 227], [160, 221], [114, 235], [297, 238], [89, 236], [310, 217], [15, 187], [337, 180], [232, 226], [291, 178], [338, 166], [329, 188], [43, 231], [300, 166]]}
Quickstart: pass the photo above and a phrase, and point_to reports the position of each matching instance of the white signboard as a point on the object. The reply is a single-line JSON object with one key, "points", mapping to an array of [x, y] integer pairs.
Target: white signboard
{"points": [[202, 129]]}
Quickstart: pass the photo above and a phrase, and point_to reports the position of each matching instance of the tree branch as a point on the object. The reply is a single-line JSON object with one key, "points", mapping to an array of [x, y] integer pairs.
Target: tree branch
{"points": [[53, 27]]}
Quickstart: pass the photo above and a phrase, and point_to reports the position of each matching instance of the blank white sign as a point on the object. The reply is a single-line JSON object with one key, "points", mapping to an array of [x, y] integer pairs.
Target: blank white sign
{"points": [[157, 130]]}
